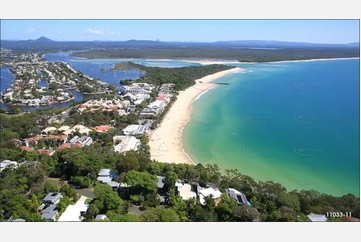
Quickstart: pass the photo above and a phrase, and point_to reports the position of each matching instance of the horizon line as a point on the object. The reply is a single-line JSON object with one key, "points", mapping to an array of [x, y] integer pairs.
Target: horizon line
{"points": [[178, 41]]}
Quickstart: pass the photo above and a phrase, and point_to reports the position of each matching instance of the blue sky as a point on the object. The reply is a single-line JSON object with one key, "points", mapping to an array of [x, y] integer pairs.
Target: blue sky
{"points": [[314, 31]]}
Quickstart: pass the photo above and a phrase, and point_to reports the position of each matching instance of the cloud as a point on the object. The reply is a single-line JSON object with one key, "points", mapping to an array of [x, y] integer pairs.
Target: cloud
{"points": [[59, 32], [31, 30], [94, 31]]}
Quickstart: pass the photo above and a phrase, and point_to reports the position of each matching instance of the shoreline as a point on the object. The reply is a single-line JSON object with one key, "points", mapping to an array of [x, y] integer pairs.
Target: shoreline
{"points": [[166, 142]]}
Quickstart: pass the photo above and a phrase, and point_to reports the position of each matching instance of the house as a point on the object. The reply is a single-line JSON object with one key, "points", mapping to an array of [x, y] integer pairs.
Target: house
{"points": [[52, 198], [208, 192], [238, 196], [106, 176], [29, 163], [127, 143], [162, 181], [184, 190], [51, 215], [101, 217], [134, 130], [7, 164], [102, 128], [317, 217]]}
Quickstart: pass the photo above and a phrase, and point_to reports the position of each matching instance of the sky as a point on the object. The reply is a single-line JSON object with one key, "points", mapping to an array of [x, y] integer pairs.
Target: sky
{"points": [[312, 31]]}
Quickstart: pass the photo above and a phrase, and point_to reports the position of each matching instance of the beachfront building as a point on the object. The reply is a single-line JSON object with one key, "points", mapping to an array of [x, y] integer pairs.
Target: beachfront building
{"points": [[212, 192], [126, 143], [184, 190], [134, 129], [239, 197], [166, 88], [153, 109]]}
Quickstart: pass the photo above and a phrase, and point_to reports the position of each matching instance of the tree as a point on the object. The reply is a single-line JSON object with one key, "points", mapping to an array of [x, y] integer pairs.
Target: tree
{"points": [[245, 213], [160, 214], [51, 186], [141, 182], [225, 209], [113, 217]]}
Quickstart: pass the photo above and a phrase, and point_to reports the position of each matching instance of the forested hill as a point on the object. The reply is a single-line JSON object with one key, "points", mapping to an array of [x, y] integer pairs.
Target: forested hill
{"points": [[242, 54], [183, 77]]}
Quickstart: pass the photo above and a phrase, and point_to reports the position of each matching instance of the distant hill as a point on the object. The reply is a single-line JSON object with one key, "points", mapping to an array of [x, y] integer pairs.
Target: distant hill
{"points": [[47, 44], [43, 39]]}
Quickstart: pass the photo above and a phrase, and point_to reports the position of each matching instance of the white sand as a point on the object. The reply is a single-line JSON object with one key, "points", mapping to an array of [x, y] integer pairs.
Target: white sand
{"points": [[166, 141]]}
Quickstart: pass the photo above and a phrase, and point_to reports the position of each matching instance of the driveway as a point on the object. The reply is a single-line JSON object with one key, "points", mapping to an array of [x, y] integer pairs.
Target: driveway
{"points": [[86, 192]]}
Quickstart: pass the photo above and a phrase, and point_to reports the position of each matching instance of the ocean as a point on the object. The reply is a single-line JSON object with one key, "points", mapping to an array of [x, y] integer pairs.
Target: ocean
{"points": [[295, 123]]}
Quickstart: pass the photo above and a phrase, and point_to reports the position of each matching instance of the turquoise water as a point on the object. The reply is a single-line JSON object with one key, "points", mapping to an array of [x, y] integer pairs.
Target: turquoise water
{"points": [[293, 123]]}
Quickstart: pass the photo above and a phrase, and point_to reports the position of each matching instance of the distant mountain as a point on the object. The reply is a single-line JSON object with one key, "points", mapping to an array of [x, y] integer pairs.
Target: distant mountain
{"points": [[43, 39]]}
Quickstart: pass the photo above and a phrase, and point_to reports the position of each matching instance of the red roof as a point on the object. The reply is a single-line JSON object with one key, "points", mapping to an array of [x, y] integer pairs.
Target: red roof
{"points": [[25, 148], [162, 97], [103, 128], [56, 137], [38, 137], [78, 145], [64, 146], [48, 152]]}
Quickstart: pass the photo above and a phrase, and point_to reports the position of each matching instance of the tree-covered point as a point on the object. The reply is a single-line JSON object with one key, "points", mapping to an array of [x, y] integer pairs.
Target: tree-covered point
{"points": [[183, 77], [240, 54]]}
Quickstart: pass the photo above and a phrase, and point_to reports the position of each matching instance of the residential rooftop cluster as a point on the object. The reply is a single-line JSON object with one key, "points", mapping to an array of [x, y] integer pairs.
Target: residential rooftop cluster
{"points": [[115, 104]]}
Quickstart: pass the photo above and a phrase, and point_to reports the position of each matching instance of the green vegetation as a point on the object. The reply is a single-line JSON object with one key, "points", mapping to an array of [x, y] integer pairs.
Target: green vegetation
{"points": [[183, 77], [240, 54], [271, 201]]}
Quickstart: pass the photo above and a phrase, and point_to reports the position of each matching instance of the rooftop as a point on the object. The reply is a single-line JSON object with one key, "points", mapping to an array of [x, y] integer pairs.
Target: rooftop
{"points": [[236, 195], [185, 191], [52, 197], [161, 181], [103, 128], [317, 217]]}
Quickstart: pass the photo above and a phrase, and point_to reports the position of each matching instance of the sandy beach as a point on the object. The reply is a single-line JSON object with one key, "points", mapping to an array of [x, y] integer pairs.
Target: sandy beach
{"points": [[166, 141]]}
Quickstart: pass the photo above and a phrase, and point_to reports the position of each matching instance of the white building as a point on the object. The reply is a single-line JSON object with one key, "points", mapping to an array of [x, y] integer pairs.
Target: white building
{"points": [[185, 190], [134, 129], [208, 192], [7, 164], [317, 217], [127, 143]]}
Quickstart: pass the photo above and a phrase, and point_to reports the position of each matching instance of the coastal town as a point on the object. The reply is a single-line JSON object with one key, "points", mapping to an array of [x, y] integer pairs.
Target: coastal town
{"points": [[118, 156], [40, 82]]}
